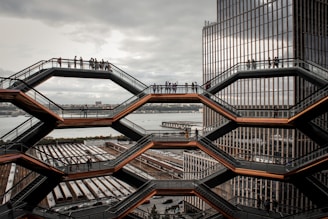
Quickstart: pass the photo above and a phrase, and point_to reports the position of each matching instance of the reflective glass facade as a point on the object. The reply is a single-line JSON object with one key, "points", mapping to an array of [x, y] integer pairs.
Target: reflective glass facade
{"points": [[261, 30]]}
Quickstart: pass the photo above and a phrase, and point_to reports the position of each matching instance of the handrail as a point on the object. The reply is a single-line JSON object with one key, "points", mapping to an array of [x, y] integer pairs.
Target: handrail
{"points": [[102, 113], [36, 95], [123, 205], [317, 69], [227, 157], [129, 102], [76, 64], [259, 64], [287, 162], [23, 127], [218, 100], [27, 72], [214, 198], [36, 182], [310, 157], [64, 163], [133, 125], [139, 145], [81, 112], [266, 113], [262, 158], [320, 122], [264, 64], [19, 186], [311, 213], [256, 203], [39, 155], [274, 112], [308, 101], [209, 129], [45, 212], [123, 74], [180, 89], [202, 175]]}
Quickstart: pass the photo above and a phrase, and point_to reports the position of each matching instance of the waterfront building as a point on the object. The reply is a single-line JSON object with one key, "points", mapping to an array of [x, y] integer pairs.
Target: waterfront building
{"points": [[261, 30]]}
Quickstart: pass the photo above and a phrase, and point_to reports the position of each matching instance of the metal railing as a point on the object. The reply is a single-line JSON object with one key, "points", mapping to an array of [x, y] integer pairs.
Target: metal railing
{"points": [[307, 158], [218, 101], [223, 204], [102, 113], [138, 146], [19, 186], [273, 206], [320, 122], [209, 129], [262, 158], [37, 96], [308, 101], [34, 152], [139, 194], [227, 157], [36, 68], [133, 126], [19, 130], [265, 64]]}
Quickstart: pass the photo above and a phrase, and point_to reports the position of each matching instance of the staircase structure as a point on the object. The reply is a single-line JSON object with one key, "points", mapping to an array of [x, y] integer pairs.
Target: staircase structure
{"points": [[19, 89]]}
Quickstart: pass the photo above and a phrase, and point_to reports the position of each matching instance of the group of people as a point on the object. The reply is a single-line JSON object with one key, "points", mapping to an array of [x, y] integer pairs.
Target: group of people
{"points": [[275, 62], [99, 65], [187, 133], [249, 64], [170, 87], [252, 63], [94, 64]]}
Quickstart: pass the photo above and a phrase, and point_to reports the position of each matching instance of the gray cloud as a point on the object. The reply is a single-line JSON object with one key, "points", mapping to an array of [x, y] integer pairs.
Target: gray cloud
{"points": [[161, 39]]}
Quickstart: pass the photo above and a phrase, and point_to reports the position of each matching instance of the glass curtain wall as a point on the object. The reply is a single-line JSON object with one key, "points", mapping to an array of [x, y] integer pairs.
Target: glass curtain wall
{"points": [[260, 30]]}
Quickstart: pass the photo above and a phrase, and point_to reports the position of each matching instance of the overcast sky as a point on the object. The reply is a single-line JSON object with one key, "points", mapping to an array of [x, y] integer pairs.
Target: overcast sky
{"points": [[152, 40]]}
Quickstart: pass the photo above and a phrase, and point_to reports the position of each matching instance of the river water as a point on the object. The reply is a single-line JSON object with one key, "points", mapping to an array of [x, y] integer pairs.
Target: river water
{"points": [[149, 121]]}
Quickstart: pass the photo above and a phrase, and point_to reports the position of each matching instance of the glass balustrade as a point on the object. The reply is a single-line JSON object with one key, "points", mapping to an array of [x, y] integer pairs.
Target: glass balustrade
{"points": [[257, 66], [19, 186], [308, 101], [35, 69], [20, 129], [133, 126]]}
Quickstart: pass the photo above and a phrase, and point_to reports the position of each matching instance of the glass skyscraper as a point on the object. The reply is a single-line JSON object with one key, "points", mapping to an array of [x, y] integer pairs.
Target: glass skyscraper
{"points": [[261, 30]]}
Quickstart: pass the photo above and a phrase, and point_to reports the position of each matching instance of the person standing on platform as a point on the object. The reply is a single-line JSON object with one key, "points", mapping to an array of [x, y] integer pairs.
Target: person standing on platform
{"points": [[59, 61], [186, 133], [85, 111], [196, 133], [248, 64], [81, 62], [253, 64], [75, 62], [186, 87]]}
